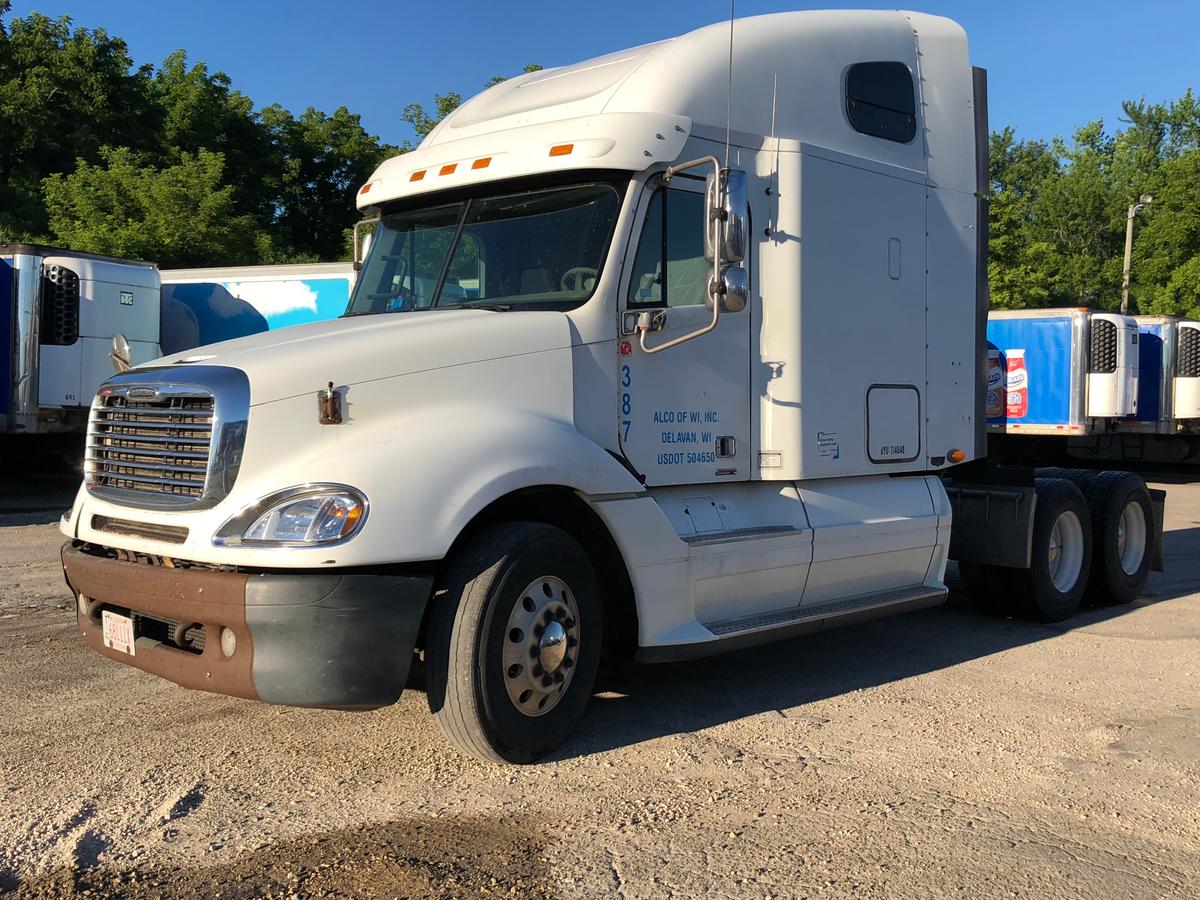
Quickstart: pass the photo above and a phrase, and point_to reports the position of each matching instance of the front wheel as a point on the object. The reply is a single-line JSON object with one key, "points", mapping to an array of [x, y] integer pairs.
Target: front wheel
{"points": [[513, 642]]}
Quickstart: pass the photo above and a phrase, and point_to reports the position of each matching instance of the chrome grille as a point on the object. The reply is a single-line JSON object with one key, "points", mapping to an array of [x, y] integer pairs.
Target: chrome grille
{"points": [[156, 446], [168, 438]]}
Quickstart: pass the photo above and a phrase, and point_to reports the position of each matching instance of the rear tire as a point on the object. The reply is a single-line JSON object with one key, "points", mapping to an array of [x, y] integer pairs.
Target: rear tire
{"points": [[513, 642], [1051, 589], [1123, 529]]}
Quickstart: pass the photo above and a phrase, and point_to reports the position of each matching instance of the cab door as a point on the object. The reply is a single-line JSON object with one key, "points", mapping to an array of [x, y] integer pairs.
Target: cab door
{"points": [[683, 414]]}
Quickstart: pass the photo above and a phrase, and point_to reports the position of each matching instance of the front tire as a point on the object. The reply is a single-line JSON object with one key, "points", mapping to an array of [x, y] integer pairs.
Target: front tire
{"points": [[513, 642]]}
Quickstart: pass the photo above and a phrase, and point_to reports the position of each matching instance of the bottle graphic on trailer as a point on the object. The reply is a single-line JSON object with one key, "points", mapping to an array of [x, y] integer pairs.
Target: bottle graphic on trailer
{"points": [[1016, 385], [995, 386]]}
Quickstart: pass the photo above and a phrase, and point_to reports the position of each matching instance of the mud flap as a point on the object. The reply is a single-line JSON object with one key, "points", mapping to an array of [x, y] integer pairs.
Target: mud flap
{"points": [[1158, 503]]}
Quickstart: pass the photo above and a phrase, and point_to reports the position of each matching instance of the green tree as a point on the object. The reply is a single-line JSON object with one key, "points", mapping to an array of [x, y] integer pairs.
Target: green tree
{"points": [[198, 110], [1166, 260], [421, 121], [1017, 259], [323, 160], [180, 215], [1078, 214], [63, 93]]}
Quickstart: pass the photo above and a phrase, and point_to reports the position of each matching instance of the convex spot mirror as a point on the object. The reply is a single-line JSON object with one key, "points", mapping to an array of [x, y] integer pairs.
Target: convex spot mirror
{"points": [[726, 202], [732, 290]]}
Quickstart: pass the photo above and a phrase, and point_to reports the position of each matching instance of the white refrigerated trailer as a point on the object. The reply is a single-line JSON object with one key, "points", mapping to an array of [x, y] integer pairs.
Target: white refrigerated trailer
{"points": [[656, 355], [59, 312]]}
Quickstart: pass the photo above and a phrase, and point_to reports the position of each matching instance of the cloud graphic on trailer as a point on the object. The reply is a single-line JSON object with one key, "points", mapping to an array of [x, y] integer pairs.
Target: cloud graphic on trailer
{"points": [[275, 298], [296, 301]]}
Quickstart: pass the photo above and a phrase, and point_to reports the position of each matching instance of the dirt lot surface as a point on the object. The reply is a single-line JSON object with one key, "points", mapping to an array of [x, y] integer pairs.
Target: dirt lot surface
{"points": [[940, 753]]}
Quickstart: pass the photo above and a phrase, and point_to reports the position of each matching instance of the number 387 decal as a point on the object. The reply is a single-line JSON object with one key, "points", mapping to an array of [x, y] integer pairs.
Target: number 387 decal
{"points": [[626, 400]]}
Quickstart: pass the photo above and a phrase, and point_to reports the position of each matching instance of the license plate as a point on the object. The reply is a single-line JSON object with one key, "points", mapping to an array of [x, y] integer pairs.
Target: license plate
{"points": [[118, 632]]}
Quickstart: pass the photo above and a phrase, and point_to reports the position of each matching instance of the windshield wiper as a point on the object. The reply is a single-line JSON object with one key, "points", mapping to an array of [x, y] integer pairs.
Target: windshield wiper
{"points": [[494, 307]]}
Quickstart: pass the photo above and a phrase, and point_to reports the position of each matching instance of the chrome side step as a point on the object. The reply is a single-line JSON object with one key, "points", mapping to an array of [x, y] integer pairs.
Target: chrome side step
{"points": [[761, 628]]}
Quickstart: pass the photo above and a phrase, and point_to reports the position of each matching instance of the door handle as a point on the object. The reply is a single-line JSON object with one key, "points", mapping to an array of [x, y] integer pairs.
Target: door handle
{"points": [[630, 321]]}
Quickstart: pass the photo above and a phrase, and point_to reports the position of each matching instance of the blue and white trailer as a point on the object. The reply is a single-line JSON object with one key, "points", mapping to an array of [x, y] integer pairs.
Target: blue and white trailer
{"points": [[1111, 387], [284, 295]]}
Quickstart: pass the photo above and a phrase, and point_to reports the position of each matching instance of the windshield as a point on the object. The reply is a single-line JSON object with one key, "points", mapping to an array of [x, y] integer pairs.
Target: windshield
{"points": [[537, 249]]}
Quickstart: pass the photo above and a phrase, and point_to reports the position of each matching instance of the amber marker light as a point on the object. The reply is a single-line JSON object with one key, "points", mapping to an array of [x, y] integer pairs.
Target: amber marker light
{"points": [[366, 187], [562, 149], [352, 517], [417, 176], [956, 456], [482, 163], [448, 169]]}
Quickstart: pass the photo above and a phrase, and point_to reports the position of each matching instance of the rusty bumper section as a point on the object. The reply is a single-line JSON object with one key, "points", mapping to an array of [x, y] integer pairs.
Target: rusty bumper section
{"points": [[324, 639]]}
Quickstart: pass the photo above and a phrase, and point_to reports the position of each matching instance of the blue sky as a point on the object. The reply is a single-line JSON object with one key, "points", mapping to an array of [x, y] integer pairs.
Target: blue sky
{"points": [[1052, 65]]}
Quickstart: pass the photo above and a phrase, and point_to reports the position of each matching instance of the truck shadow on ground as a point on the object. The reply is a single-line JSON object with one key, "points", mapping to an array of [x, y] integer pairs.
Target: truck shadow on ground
{"points": [[36, 500], [452, 857], [636, 703]]}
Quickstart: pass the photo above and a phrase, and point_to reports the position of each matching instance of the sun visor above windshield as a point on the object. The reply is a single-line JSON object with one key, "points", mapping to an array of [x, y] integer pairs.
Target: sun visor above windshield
{"points": [[629, 141]]}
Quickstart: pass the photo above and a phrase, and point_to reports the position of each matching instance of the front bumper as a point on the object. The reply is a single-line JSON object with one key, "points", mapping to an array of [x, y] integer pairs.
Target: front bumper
{"points": [[342, 641]]}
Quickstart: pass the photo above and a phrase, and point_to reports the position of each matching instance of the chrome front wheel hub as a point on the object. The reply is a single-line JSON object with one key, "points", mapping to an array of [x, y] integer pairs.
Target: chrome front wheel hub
{"points": [[541, 645], [552, 646]]}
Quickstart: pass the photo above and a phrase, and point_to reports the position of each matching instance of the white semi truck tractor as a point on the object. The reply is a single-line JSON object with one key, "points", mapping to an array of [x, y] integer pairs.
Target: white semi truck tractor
{"points": [[653, 356]]}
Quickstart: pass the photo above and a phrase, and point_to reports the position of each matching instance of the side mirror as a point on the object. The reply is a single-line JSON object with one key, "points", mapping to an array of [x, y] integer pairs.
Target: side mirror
{"points": [[121, 355], [362, 242], [732, 291], [727, 201], [366, 245]]}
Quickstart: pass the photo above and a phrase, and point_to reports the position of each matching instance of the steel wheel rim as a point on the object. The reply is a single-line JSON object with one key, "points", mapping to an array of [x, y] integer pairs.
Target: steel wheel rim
{"points": [[1065, 552], [1131, 537], [541, 646]]}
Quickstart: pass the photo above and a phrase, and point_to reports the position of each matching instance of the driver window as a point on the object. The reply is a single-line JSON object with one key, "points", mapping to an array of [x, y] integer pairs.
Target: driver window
{"points": [[670, 268]]}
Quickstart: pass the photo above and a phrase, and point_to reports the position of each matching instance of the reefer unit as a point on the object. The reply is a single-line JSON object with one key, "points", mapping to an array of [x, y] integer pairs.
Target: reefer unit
{"points": [[1112, 366], [1186, 383]]}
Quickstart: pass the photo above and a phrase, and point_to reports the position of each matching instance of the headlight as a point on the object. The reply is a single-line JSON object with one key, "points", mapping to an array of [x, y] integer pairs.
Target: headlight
{"points": [[301, 516]]}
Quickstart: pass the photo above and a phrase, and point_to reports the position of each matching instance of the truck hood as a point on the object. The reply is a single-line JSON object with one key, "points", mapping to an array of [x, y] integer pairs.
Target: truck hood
{"points": [[303, 359]]}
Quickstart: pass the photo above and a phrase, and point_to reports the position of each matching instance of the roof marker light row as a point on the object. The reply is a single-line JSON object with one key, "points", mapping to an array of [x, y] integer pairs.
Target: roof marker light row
{"points": [[481, 163]]}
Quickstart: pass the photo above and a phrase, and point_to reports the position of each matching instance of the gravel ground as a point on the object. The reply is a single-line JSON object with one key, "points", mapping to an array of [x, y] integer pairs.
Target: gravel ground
{"points": [[935, 754]]}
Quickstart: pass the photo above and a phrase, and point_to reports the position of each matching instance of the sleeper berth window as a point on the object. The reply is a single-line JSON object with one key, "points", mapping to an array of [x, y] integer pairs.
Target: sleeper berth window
{"points": [[880, 100]]}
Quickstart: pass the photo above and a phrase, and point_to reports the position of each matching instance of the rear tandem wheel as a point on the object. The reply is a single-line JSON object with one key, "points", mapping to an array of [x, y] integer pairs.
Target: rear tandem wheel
{"points": [[1051, 589]]}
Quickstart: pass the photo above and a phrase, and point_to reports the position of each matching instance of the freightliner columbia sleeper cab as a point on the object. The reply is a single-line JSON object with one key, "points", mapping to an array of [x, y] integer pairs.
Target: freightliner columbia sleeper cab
{"points": [[605, 385]]}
